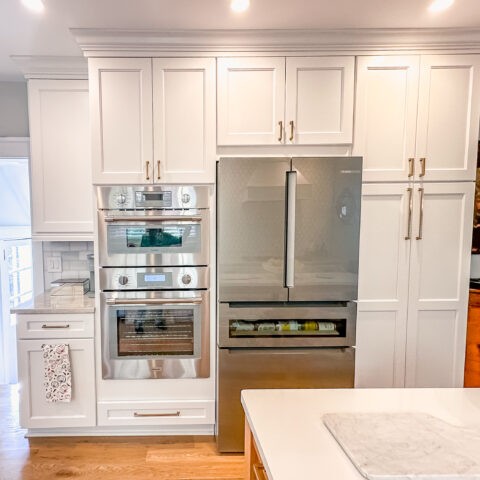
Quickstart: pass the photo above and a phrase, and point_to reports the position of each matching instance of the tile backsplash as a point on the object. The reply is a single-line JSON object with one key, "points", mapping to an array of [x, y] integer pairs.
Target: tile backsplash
{"points": [[73, 258]]}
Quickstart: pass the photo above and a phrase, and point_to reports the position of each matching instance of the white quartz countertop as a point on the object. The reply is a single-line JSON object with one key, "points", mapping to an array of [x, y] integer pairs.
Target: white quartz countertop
{"points": [[294, 443], [45, 303]]}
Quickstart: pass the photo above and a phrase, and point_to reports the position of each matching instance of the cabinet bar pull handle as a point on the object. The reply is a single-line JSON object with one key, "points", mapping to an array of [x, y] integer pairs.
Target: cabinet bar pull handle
{"points": [[158, 170], [280, 124], [147, 168], [411, 167], [420, 223], [292, 126], [423, 161], [410, 207], [56, 326], [173, 414]]}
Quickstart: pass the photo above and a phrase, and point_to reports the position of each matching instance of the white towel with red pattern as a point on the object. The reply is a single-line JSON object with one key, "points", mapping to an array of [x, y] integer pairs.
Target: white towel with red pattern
{"points": [[57, 373]]}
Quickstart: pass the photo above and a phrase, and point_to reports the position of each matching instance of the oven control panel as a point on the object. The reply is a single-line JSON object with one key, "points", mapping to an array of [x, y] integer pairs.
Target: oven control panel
{"points": [[154, 278]]}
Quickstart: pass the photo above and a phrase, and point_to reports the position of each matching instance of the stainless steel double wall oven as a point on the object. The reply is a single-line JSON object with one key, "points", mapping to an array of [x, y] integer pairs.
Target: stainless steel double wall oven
{"points": [[154, 281]]}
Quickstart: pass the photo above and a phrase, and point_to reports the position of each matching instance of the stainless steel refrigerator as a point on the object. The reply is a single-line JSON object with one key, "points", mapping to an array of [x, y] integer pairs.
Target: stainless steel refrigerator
{"points": [[287, 256]]}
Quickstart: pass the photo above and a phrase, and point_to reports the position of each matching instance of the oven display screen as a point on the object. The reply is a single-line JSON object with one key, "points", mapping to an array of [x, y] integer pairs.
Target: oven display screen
{"points": [[141, 237], [154, 277], [153, 196]]}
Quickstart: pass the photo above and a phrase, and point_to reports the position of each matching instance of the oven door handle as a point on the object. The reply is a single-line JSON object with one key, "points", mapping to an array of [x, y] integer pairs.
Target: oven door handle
{"points": [[153, 301], [153, 218]]}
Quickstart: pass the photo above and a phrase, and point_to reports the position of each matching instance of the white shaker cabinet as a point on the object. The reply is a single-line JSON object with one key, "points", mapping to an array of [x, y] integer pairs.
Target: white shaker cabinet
{"points": [[277, 100], [417, 117], [184, 120], [153, 120], [121, 120], [76, 330], [413, 284], [61, 178]]}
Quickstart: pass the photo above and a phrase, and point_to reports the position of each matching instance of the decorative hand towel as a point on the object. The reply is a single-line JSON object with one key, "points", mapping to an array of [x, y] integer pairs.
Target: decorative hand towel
{"points": [[57, 373]]}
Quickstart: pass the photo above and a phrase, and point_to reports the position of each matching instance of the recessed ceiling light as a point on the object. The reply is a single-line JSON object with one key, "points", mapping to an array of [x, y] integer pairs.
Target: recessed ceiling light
{"points": [[439, 5], [34, 5], [239, 5]]}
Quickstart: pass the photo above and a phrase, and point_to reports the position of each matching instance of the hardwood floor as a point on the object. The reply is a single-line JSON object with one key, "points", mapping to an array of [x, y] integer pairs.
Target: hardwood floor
{"points": [[107, 458]]}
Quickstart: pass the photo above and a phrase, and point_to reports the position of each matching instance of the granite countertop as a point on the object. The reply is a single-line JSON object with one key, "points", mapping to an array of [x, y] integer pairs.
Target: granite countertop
{"points": [[46, 303], [300, 445]]}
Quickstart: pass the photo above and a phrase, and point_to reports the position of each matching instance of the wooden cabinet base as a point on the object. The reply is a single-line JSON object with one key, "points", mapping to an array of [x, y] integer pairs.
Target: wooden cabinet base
{"points": [[472, 351], [254, 469]]}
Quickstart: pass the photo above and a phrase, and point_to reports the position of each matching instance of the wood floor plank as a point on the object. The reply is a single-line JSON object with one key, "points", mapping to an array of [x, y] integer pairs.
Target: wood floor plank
{"points": [[107, 458]]}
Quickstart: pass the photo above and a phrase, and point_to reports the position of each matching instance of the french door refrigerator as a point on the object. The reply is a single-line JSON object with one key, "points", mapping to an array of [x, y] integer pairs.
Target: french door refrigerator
{"points": [[287, 259]]}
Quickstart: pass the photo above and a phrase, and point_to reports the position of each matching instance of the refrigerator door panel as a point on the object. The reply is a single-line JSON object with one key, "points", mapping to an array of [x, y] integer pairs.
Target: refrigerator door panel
{"points": [[327, 228], [240, 369], [251, 229]]}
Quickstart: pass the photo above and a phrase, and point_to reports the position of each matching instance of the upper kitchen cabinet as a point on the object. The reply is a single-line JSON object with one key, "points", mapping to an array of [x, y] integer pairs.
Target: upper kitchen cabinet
{"points": [[153, 122], [277, 100], [61, 179], [184, 120], [416, 117], [121, 119]]}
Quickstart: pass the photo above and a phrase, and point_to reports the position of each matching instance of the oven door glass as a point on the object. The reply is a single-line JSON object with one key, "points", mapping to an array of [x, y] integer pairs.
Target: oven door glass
{"points": [[159, 332], [134, 238]]}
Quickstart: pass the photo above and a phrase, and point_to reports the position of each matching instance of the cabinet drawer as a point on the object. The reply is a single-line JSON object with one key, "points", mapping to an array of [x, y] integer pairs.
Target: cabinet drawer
{"points": [[55, 325], [184, 412]]}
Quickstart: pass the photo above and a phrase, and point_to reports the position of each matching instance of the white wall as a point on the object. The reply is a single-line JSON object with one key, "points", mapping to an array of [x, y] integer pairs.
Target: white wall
{"points": [[13, 109]]}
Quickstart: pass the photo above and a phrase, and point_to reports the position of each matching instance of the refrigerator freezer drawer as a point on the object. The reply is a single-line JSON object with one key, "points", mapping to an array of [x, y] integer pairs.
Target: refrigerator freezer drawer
{"points": [[240, 369]]}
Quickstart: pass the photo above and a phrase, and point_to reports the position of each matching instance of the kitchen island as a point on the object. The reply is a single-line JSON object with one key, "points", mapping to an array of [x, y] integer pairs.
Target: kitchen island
{"points": [[285, 427]]}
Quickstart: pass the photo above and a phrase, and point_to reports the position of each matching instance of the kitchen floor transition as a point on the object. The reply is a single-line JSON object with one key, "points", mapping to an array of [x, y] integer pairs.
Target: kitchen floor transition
{"points": [[107, 458]]}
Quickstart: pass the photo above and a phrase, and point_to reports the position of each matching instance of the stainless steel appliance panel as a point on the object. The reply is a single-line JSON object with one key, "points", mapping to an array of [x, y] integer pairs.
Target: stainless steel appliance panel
{"points": [[327, 228], [153, 237], [250, 228], [240, 369], [141, 197], [152, 319], [154, 278], [289, 324]]}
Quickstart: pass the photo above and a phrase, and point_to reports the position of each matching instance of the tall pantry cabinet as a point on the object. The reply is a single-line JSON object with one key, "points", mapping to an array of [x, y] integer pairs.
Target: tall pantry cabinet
{"points": [[417, 122]]}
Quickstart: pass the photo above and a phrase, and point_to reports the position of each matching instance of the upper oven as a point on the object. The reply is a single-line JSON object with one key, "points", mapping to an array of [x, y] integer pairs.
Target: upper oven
{"points": [[153, 225]]}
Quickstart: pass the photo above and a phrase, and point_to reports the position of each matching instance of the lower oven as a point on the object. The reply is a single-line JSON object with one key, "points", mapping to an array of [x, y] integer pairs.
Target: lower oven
{"points": [[154, 333], [279, 345]]}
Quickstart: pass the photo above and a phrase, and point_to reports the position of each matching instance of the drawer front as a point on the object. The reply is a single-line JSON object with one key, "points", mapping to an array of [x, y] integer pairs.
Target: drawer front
{"points": [[55, 325], [183, 412]]}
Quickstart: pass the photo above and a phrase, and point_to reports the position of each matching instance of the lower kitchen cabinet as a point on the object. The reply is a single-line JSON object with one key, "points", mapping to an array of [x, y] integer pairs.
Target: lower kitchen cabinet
{"points": [[34, 330], [413, 284], [182, 412], [35, 411]]}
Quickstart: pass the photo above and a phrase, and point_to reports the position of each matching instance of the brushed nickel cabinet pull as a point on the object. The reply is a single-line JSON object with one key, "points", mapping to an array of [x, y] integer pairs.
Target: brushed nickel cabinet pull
{"points": [[173, 414], [280, 124], [410, 207], [420, 222], [56, 326], [292, 126], [411, 167], [158, 170], [147, 168], [423, 161]]}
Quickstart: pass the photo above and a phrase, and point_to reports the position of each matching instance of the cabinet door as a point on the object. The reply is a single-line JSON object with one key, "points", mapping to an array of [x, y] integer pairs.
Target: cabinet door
{"points": [[61, 177], [121, 119], [448, 116], [383, 285], [438, 292], [319, 100], [35, 411], [251, 101], [385, 116], [184, 119]]}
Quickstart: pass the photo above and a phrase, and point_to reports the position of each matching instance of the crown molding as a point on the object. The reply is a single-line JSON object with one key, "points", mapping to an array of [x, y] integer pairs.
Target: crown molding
{"points": [[145, 42], [55, 67]]}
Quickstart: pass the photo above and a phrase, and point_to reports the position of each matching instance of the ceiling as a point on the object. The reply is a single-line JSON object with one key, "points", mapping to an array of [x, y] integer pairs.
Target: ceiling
{"points": [[26, 33]]}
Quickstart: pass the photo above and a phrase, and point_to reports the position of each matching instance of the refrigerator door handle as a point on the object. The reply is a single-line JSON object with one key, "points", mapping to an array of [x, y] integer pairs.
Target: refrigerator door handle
{"points": [[290, 200]]}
